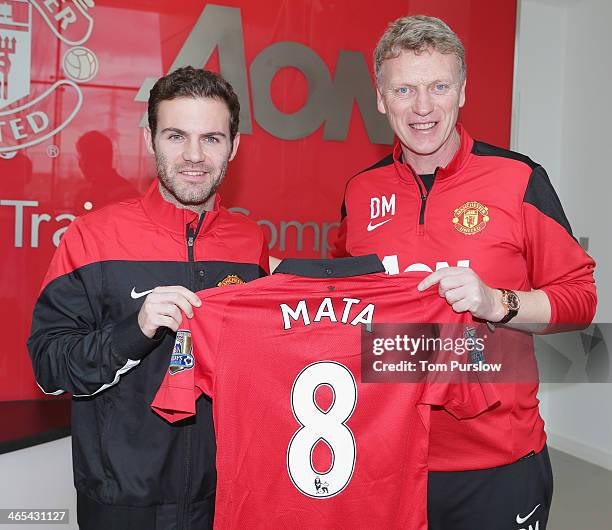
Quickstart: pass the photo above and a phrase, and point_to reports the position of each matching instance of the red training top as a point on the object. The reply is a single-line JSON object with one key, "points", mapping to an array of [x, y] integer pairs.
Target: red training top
{"points": [[496, 212]]}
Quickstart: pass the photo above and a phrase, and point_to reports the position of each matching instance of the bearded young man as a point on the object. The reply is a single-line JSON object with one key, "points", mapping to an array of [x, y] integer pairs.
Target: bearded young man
{"points": [[104, 324], [492, 215]]}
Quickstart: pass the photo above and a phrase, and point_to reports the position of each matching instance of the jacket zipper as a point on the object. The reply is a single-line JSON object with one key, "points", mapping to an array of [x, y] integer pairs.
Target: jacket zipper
{"points": [[424, 196], [423, 204], [184, 522], [190, 239]]}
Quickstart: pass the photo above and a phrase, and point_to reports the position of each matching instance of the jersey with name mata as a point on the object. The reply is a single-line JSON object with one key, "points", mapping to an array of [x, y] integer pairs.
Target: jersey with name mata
{"points": [[301, 439]]}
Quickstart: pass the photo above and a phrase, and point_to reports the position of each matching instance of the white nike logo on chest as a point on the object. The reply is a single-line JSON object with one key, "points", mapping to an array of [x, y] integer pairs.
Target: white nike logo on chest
{"points": [[135, 295], [375, 226]]}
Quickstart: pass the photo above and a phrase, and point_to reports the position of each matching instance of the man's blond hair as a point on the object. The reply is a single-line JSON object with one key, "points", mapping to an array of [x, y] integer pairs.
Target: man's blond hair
{"points": [[417, 34]]}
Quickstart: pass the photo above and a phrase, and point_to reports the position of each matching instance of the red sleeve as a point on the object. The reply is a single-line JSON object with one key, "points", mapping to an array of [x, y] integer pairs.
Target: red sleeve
{"points": [[462, 400], [192, 365], [461, 393], [556, 262], [264, 258], [338, 248], [77, 248]]}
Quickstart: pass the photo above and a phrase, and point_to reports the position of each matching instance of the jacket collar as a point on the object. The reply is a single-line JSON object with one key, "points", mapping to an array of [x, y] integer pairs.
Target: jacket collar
{"points": [[461, 157], [167, 215]]}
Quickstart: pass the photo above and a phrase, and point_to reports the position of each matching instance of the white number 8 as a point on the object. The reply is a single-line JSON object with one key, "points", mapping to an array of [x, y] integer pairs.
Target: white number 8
{"points": [[319, 425]]}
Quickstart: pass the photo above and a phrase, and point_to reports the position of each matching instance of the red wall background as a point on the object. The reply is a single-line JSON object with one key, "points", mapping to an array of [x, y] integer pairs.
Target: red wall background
{"points": [[278, 182]]}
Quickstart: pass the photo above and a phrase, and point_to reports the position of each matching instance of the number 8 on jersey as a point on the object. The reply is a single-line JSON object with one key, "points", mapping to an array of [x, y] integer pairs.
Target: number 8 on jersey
{"points": [[329, 426]]}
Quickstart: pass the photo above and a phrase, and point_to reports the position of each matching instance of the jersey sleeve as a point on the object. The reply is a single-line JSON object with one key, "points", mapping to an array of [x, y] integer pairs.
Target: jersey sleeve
{"points": [[557, 264], [462, 400], [193, 362], [456, 388], [70, 347]]}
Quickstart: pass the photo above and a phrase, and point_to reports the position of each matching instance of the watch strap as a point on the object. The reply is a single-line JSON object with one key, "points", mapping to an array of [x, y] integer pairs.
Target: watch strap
{"points": [[511, 313]]}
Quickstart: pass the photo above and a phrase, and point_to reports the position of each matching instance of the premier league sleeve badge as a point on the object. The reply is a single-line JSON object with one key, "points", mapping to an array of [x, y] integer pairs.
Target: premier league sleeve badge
{"points": [[182, 353]]}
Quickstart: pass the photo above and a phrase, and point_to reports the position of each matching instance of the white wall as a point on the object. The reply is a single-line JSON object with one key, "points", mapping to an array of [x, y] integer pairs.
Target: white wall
{"points": [[563, 119], [587, 135], [539, 84], [39, 477]]}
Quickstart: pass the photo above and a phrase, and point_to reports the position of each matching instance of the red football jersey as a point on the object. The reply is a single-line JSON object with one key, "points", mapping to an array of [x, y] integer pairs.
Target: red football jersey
{"points": [[302, 440]]}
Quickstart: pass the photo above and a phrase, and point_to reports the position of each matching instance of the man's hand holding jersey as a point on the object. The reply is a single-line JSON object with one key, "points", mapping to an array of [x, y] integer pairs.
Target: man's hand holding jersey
{"points": [[162, 308], [465, 291]]}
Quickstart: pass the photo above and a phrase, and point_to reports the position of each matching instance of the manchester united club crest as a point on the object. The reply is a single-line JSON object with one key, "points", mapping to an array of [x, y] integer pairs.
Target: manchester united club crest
{"points": [[471, 218], [230, 279], [24, 105], [182, 353]]}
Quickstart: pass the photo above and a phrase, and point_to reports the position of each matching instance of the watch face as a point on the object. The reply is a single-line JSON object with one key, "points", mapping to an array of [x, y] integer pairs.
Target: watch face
{"points": [[513, 302]]}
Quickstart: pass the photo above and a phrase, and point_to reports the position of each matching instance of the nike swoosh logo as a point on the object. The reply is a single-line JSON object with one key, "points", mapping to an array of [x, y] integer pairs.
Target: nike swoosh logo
{"points": [[135, 295], [521, 520], [374, 227]]}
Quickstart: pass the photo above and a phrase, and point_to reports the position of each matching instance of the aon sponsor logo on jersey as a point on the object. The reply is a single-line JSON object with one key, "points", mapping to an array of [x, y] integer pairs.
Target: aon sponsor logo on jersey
{"points": [[391, 264]]}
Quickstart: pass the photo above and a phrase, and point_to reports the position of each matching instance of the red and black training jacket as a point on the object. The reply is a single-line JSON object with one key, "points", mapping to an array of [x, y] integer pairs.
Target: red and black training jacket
{"points": [[86, 341], [495, 211]]}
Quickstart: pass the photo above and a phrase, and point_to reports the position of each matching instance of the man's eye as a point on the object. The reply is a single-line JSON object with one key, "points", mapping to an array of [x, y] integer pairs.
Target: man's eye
{"points": [[402, 90], [441, 87], [211, 140], [175, 137]]}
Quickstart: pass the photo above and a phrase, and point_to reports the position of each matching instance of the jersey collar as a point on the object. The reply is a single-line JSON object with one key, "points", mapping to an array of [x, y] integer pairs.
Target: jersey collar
{"points": [[167, 215], [461, 157], [331, 268]]}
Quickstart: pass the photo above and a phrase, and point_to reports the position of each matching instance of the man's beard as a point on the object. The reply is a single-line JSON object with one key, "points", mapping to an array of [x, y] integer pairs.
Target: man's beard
{"points": [[187, 193]]}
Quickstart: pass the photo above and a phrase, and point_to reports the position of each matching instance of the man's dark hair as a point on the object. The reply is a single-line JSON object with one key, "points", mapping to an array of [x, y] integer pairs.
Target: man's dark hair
{"points": [[190, 82]]}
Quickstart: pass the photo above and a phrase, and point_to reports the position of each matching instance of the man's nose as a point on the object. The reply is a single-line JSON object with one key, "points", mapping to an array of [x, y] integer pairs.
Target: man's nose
{"points": [[423, 102], [194, 151]]}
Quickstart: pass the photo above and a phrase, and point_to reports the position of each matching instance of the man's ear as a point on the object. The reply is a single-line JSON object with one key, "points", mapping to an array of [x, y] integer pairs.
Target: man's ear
{"points": [[380, 104], [462, 94], [148, 138], [235, 145]]}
